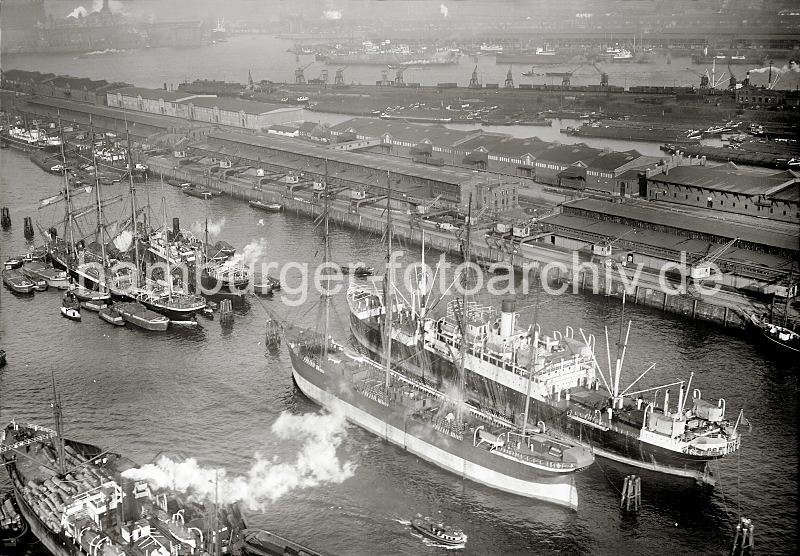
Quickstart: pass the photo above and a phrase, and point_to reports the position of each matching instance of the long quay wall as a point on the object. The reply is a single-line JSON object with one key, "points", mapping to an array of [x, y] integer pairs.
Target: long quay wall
{"points": [[729, 309]]}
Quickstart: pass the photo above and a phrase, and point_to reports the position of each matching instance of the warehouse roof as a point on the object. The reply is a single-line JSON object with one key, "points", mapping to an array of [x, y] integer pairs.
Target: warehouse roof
{"points": [[729, 178], [688, 222]]}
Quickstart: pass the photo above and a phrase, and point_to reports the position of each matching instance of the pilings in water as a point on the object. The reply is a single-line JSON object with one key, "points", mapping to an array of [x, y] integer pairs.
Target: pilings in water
{"points": [[272, 337], [225, 312], [5, 218], [631, 493], [743, 543], [28, 230]]}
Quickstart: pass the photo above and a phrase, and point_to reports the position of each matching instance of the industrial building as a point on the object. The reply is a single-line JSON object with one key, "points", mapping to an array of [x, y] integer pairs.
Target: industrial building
{"points": [[361, 172], [246, 114], [774, 196]]}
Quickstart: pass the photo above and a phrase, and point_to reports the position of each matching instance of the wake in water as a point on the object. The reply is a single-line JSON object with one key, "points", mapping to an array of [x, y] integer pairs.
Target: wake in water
{"points": [[100, 53], [267, 480]]}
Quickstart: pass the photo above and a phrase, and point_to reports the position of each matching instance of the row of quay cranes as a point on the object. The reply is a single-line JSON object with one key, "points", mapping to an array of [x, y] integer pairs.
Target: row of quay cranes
{"points": [[300, 77]]}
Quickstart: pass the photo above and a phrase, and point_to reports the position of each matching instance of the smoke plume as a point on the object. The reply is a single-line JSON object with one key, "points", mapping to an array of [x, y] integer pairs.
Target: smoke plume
{"points": [[214, 228], [332, 14], [443, 10], [251, 253], [97, 5], [791, 67], [266, 480]]}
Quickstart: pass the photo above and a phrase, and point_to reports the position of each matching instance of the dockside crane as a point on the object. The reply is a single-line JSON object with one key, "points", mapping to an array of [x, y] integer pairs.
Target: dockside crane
{"points": [[398, 77], [473, 81], [299, 74], [701, 268], [338, 79], [603, 76], [732, 81], [509, 84], [603, 248], [565, 79]]}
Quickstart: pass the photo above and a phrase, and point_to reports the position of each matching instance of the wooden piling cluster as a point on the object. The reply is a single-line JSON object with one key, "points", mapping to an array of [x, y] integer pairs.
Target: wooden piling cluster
{"points": [[225, 312], [272, 337], [5, 218], [631, 494], [743, 543], [28, 229]]}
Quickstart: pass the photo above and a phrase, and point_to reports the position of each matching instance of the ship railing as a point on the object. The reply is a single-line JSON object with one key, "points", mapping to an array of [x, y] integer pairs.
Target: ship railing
{"points": [[448, 427], [516, 454], [32, 440]]}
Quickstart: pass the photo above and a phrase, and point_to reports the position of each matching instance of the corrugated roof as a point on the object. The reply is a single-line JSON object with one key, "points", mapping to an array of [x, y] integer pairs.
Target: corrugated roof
{"points": [[613, 159], [663, 240], [155, 94], [381, 163], [568, 154], [726, 178], [683, 221], [237, 105]]}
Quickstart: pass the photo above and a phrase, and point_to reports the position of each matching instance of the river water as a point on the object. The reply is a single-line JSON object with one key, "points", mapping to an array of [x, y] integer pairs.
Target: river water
{"points": [[214, 393]]}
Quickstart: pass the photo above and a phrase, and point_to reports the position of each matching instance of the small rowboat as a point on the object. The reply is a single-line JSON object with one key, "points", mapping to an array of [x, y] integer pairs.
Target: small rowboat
{"points": [[358, 271], [439, 532], [271, 207], [111, 316], [71, 313], [93, 305]]}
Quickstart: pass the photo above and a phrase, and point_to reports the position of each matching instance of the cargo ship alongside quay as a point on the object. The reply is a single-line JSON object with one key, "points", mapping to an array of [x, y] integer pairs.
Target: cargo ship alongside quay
{"points": [[423, 420], [564, 386]]}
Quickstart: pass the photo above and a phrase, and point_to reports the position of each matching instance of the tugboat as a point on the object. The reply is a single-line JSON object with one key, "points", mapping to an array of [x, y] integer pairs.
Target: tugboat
{"points": [[439, 532]]}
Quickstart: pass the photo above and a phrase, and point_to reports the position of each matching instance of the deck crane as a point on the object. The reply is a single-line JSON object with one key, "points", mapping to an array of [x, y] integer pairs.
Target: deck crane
{"points": [[338, 79], [603, 248], [299, 74], [709, 81], [509, 84], [603, 76], [398, 77], [701, 268]]}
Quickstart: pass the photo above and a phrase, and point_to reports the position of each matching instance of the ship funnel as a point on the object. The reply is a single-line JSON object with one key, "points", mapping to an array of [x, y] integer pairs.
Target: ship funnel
{"points": [[507, 318], [176, 226]]}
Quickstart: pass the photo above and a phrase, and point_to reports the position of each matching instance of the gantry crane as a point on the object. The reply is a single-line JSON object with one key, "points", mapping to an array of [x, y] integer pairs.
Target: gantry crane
{"points": [[299, 74], [398, 77], [509, 79]]}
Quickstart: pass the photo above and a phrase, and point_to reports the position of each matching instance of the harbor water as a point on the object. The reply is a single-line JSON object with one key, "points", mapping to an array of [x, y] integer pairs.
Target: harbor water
{"points": [[213, 394]]}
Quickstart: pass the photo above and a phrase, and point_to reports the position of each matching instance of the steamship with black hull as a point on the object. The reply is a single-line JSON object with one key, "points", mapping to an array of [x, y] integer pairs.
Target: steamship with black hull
{"points": [[567, 388], [79, 500], [425, 421]]}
